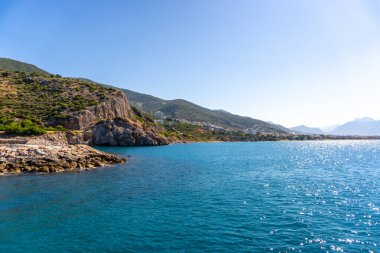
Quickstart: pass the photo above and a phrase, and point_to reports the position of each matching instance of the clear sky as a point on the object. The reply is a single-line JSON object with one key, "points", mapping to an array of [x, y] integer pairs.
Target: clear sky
{"points": [[291, 62]]}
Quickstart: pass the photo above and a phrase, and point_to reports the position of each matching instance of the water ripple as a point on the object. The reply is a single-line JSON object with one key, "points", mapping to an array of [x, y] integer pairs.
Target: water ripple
{"points": [[223, 197]]}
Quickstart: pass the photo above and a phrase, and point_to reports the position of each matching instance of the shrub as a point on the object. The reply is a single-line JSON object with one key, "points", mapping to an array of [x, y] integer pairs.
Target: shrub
{"points": [[23, 127]]}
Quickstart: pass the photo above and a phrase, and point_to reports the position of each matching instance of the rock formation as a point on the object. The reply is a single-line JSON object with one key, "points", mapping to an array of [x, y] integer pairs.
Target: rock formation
{"points": [[67, 112], [115, 107], [122, 132], [21, 158]]}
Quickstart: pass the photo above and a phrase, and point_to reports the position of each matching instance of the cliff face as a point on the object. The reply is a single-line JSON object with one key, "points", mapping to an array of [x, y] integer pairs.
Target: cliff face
{"points": [[34, 103], [115, 132], [115, 107], [121, 132], [110, 123]]}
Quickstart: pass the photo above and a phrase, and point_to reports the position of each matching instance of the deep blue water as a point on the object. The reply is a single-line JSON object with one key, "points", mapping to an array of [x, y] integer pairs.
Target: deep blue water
{"points": [[219, 197]]}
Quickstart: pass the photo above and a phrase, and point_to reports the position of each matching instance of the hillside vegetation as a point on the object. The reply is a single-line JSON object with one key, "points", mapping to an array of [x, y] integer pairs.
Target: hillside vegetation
{"points": [[28, 101], [35, 95], [12, 65], [182, 109], [186, 132]]}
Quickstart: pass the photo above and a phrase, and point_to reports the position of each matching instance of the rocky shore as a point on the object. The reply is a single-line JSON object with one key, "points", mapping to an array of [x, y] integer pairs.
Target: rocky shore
{"points": [[68, 151], [26, 158], [122, 132]]}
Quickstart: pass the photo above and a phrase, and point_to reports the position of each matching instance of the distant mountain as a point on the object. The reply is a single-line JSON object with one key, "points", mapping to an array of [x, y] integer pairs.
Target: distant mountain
{"points": [[329, 129], [182, 109], [221, 110], [177, 108], [362, 126], [307, 130], [13, 65]]}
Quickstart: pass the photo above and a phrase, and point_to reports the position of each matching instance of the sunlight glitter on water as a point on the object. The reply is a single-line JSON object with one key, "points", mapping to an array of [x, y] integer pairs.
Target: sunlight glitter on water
{"points": [[281, 197]]}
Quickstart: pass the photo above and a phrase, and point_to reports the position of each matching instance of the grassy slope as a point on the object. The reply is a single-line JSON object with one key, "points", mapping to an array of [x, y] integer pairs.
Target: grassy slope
{"points": [[33, 99], [185, 132], [177, 108], [183, 109], [12, 65]]}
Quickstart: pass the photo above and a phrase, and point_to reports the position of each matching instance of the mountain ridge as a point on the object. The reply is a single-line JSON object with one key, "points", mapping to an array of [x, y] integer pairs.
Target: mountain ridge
{"points": [[362, 127], [14, 65], [25, 73], [308, 130], [183, 109], [32, 103], [50, 101], [365, 126]]}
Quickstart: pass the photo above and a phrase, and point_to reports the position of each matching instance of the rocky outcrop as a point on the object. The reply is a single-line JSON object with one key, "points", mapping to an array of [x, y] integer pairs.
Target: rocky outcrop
{"points": [[115, 132], [122, 132], [16, 159], [48, 139], [56, 138], [116, 106]]}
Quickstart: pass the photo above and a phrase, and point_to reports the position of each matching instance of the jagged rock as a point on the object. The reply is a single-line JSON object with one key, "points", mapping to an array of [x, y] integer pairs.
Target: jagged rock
{"points": [[114, 107], [122, 132], [28, 80], [53, 159], [44, 82]]}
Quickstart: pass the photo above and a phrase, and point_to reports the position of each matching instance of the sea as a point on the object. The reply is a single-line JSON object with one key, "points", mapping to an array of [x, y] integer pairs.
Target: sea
{"points": [[311, 196]]}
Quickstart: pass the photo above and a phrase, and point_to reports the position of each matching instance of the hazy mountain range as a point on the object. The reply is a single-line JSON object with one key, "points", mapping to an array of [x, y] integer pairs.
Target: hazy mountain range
{"points": [[307, 130], [362, 126]]}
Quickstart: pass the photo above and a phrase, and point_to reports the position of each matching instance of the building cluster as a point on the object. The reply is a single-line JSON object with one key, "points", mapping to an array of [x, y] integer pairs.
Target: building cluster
{"points": [[211, 127], [250, 131], [256, 130], [207, 126], [161, 118]]}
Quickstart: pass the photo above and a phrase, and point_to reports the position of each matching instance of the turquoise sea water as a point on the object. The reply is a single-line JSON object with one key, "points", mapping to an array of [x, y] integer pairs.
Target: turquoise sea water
{"points": [[216, 197]]}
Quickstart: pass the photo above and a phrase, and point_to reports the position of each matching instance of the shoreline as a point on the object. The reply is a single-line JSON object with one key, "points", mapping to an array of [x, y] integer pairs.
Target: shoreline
{"points": [[16, 159], [282, 140], [55, 152]]}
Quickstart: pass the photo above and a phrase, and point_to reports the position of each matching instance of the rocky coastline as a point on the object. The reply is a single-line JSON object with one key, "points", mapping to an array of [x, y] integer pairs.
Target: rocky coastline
{"points": [[71, 151], [123, 132], [28, 158], [55, 121]]}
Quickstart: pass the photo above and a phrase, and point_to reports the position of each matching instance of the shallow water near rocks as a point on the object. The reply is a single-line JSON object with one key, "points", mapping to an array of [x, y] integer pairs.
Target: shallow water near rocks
{"points": [[251, 197]]}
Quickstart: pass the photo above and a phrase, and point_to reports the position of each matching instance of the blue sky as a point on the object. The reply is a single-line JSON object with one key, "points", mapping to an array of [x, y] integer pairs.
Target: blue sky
{"points": [[291, 62]]}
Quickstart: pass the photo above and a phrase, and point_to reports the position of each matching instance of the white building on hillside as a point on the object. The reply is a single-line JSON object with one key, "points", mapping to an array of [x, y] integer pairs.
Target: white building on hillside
{"points": [[159, 115], [250, 131]]}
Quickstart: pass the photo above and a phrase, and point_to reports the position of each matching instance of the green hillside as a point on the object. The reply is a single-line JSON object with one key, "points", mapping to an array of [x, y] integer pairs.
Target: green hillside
{"points": [[31, 102], [182, 109], [178, 108], [147, 103], [13, 65]]}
